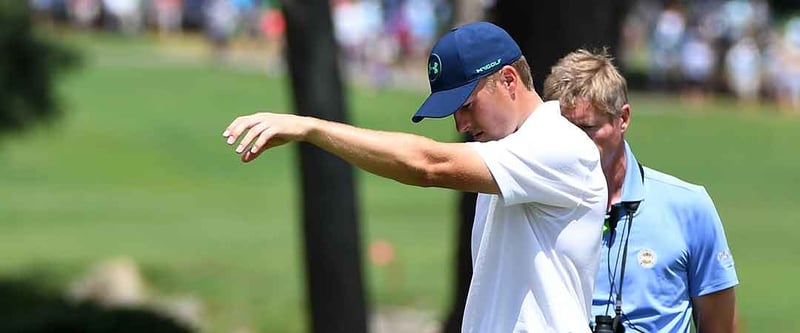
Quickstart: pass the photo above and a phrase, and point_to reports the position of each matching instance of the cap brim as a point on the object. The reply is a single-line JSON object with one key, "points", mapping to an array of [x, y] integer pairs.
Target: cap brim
{"points": [[444, 103]]}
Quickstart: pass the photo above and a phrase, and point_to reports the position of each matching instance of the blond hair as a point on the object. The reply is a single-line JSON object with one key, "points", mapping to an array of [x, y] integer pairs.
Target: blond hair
{"points": [[583, 75], [522, 67]]}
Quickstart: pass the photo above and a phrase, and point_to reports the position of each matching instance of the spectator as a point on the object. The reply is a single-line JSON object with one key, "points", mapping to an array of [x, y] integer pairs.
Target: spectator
{"points": [[220, 24], [168, 15], [83, 13], [665, 45], [126, 15], [698, 62], [743, 69]]}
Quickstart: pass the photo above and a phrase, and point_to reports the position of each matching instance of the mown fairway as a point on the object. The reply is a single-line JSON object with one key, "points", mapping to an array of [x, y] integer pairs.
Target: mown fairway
{"points": [[137, 167]]}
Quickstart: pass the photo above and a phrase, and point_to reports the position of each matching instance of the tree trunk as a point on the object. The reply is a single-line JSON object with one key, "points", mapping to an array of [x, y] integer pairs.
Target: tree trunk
{"points": [[332, 250], [463, 258], [548, 30], [464, 11]]}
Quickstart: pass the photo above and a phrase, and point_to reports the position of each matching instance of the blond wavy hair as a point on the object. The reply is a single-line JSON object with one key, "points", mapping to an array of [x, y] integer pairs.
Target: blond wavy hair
{"points": [[586, 76]]}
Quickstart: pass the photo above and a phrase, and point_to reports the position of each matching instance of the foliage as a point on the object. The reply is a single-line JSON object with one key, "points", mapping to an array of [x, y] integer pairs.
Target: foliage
{"points": [[29, 64], [30, 308]]}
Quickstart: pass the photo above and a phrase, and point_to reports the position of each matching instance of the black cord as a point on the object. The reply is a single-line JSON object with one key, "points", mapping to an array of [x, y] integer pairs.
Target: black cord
{"points": [[630, 209], [631, 325], [628, 224], [612, 277], [608, 266], [619, 312]]}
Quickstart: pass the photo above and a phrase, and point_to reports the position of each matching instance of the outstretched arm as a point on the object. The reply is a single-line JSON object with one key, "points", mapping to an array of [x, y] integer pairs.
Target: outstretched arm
{"points": [[407, 158]]}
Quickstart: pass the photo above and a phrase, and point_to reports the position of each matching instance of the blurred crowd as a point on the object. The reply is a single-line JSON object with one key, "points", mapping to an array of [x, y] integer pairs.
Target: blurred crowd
{"points": [[375, 35], [702, 46], [697, 47], [219, 19]]}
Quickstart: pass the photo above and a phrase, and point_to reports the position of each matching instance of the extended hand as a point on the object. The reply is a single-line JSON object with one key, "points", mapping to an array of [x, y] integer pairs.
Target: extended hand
{"points": [[268, 129]]}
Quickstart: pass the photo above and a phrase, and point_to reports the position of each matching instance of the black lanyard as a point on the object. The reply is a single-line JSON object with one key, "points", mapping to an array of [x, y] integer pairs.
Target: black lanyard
{"points": [[628, 209]]}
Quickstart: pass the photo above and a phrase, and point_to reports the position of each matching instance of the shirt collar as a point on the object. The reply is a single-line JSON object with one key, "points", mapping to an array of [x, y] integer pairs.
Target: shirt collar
{"points": [[632, 191], [632, 185]]}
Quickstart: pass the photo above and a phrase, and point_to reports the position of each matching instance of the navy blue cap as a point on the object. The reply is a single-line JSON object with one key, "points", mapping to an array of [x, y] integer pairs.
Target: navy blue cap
{"points": [[459, 60]]}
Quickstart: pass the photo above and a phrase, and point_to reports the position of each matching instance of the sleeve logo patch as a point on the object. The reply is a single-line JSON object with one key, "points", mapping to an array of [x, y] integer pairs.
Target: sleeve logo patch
{"points": [[725, 259]]}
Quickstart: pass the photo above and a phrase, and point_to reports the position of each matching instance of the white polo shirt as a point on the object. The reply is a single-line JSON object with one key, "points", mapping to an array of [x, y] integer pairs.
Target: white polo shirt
{"points": [[536, 247]]}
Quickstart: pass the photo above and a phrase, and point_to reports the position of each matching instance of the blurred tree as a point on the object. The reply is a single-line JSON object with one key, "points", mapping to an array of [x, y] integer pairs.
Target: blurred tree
{"points": [[545, 31], [332, 239], [784, 7], [464, 11], [548, 30], [463, 261], [28, 67]]}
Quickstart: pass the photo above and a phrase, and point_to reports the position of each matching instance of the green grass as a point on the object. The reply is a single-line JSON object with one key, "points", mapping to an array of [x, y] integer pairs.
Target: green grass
{"points": [[137, 167]]}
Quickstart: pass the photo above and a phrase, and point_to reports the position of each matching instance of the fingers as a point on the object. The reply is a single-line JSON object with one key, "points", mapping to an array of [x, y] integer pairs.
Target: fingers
{"points": [[255, 151], [241, 124], [256, 129], [261, 144], [263, 137], [249, 156], [251, 134]]}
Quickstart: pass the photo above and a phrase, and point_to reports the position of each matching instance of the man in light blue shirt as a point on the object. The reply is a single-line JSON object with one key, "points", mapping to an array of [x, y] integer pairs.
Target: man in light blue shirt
{"points": [[665, 260]]}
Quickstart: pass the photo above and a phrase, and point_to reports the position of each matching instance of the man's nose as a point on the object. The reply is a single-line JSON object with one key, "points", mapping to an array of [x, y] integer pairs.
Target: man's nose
{"points": [[462, 121]]}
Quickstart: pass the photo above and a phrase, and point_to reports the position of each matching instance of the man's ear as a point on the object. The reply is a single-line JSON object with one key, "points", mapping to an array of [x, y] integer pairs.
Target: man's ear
{"points": [[625, 117], [510, 78]]}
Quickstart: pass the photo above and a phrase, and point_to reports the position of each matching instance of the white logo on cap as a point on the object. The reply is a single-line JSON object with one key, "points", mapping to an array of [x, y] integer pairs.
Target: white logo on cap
{"points": [[434, 67], [488, 66]]}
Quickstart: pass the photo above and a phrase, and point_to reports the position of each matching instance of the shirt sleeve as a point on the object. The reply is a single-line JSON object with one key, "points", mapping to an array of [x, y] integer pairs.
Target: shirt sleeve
{"points": [[562, 170], [711, 266]]}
